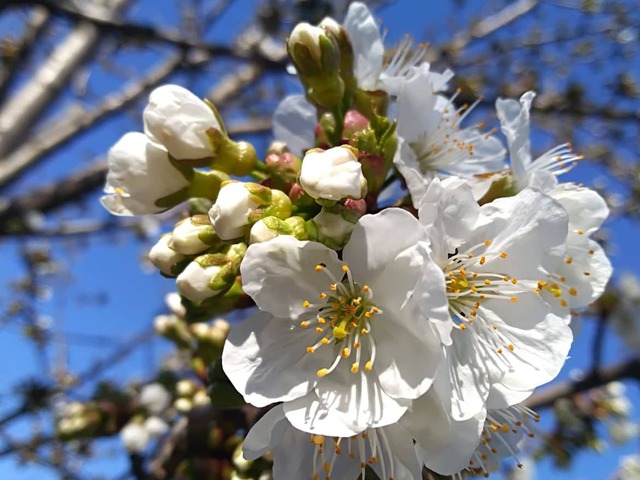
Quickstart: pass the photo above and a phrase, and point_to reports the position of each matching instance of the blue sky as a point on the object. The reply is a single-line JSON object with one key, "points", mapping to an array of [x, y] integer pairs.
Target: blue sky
{"points": [[111, 265]]}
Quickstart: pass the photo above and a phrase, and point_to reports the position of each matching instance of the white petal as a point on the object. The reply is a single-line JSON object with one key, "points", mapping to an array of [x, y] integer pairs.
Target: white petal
{"points": [[266, 434], [364, 253], [407, 364], [402, 453], [462, 384], [359, 398], [531, 228], [294, 122], [443, 444], [407, 164], [587, 210], [280, 274], [500, 397], [514, 121], [309, 414], [367, 44], [541, 343], [266, 359]]}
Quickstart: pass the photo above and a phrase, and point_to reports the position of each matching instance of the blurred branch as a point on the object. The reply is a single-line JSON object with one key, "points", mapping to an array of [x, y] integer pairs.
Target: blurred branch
{"points": [[485, 27], [36, 25], [546, 397], [145, 32], [20, 113], [76, 120]]}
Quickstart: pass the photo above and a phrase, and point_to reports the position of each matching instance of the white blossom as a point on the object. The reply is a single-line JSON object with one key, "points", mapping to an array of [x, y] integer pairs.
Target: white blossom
{"points": [[140, 174], [333, 174], [493, 259], [348, 337], [178, 120], [432, 141]]}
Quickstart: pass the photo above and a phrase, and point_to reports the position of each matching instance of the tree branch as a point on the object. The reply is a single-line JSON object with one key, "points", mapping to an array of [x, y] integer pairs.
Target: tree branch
{"points": [[21, 112], [547, 396]]}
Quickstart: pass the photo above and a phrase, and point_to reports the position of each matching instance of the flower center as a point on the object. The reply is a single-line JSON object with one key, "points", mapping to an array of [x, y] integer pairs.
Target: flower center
{"points": [[370, 447], [470, 285], [343, 320]]}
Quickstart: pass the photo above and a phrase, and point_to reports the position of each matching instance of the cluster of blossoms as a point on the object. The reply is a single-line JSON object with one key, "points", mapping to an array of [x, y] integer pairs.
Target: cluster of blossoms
{"points": [[385, 338]]}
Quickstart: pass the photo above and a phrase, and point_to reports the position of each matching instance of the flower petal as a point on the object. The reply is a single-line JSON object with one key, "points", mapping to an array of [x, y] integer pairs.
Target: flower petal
{"points": [[514, 122], [266, 434], [367, 44], [266, 359], [280, 274], [443, 444], [531, 228], [294, 122], [371, 249]]}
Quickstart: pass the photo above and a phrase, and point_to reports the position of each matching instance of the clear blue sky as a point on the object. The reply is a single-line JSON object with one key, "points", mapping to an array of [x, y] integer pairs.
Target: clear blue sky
{"points": [[133, 297]]}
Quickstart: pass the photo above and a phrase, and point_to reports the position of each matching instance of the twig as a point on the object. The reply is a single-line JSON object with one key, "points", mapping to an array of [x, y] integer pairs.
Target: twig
{"points": [[547, 396]]}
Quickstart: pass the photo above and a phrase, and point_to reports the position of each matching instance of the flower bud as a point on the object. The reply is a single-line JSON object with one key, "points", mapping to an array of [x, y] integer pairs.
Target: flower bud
{"points": [[134, 437], [142, 178], [331, 229], [239, 205], [174, 302], [283, 168], [194, 235], [271, 227], [183, 405], [186, 388], [354, 122], [154, 397], [174, 329], [155, 427], [206, 277], [316, 57], [341, 38], [179, 120], [333, 174], [165, 258]]}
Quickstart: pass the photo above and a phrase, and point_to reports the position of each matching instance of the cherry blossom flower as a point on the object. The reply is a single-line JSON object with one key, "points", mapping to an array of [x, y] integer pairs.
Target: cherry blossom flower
{"points": [[493, 259], [432, 141], [583, 275], [140, 174], [348, 335]]}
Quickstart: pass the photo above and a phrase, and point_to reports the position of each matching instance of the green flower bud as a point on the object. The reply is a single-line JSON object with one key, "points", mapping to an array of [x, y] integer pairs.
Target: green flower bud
{"points": [[317, 60]]}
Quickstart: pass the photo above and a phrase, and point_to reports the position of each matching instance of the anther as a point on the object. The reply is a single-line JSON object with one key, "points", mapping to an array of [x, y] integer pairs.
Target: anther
{"points": [[322, 372]]}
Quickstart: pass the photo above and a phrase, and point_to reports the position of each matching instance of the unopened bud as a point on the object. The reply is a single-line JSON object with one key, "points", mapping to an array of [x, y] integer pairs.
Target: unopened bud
{"points": [[206, 276], [332, 229], [283, 168], [194, 235], [240, 205], [165, 258], [316, 57], [179, 120], [333, 174]]}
